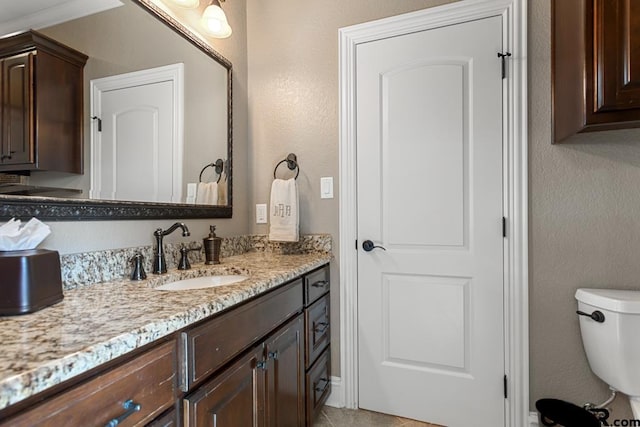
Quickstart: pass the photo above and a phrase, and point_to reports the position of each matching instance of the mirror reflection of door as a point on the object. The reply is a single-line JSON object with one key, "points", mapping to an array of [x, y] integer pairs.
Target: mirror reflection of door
{"points": [[136, 147]]}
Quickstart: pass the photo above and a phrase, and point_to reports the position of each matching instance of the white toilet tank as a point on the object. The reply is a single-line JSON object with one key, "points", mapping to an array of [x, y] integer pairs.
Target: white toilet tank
{"points": [[612, 346]]}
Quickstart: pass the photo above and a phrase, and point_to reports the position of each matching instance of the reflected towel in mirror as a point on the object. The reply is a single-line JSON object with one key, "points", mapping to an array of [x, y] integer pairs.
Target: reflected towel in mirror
{"points": [[207, 193], [222, 190]]}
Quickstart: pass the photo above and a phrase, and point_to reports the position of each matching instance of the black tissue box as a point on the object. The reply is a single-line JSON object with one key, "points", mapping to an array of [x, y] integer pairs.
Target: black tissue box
{"points": [[30, 280]]}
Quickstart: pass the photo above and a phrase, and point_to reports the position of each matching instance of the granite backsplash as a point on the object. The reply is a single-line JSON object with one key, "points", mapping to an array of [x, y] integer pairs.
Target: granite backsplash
{"points": [[84, 269]]}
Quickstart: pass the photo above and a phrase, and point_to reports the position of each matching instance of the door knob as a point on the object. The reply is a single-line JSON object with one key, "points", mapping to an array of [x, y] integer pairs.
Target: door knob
{"points": [[368, 246]]}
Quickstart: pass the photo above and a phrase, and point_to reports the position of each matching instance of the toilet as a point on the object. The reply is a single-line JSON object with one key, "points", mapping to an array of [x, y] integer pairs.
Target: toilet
{"points": [[610, 328]]}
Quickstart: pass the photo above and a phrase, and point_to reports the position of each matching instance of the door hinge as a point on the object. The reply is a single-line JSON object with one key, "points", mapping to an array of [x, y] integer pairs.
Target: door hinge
{"points": [[505, 386], [99, 122], [503, 57], [504, 227]]}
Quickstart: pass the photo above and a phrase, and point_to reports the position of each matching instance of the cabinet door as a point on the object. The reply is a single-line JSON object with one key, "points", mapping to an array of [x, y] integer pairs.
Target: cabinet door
{"points": [[595, 65], [614, 80], [17, 112], [232, 399], [285, 376]]}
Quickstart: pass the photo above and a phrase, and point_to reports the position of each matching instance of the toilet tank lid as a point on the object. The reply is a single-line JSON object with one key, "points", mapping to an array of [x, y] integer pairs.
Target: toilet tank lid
{"points": [[620, 301]]}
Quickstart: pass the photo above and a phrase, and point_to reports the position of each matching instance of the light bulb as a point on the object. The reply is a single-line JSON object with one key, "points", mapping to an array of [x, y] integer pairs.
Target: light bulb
{"points": [[215, 22]]}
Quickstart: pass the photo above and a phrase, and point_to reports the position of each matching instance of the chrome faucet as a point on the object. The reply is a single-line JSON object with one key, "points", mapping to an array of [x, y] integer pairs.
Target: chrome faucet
{"points": [[159, 263]]}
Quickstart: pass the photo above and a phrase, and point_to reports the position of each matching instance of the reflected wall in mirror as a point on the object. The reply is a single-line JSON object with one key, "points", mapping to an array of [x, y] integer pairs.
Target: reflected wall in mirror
{"points": [[129, 39]]}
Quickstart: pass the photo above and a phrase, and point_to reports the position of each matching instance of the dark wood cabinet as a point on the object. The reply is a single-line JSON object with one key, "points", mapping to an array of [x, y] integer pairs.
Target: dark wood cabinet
{"points": [[317, 341], [284, 373], [41, 89], [596, 65]]}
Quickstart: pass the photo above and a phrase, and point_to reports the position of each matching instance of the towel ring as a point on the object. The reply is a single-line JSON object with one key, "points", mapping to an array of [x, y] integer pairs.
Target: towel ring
{"points": [[218, 165], [292, 164]]}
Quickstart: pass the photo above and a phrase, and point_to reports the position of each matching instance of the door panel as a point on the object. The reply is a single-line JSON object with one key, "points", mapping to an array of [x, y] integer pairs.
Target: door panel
{"points": [[436, 310], [429, 181], [418, 146]]}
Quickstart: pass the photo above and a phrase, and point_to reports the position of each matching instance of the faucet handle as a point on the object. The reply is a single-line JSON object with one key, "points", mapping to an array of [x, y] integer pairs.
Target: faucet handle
{"points": [[184, 263], [138, 269]]}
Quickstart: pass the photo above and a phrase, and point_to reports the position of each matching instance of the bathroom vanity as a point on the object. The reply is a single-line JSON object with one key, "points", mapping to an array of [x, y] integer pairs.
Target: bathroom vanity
{"points": [[252, 353]]}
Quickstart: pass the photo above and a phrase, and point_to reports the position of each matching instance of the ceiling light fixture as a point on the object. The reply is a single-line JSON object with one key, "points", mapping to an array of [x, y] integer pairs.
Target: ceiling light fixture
{"points": [[215, 21], [187, 4]]}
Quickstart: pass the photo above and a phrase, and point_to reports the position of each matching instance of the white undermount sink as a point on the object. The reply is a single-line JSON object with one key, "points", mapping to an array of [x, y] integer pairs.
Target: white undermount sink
{"points": [[202, 282]]}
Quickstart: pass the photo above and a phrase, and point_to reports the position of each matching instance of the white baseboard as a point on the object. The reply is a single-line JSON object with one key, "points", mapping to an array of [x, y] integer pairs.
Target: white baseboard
{"points": [[533, 419], [336, 398]]}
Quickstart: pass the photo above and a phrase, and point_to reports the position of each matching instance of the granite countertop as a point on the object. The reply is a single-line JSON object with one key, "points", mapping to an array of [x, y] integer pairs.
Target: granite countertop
{"points": [[97, 324]]}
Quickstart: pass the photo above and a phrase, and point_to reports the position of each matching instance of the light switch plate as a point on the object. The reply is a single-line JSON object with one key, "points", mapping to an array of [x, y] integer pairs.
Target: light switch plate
{"points": [[326, 187], [261, 213]]}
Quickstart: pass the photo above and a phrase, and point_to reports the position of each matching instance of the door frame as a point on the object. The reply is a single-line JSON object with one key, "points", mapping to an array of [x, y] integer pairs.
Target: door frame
{"points": [[173, 73], [515, 187]]}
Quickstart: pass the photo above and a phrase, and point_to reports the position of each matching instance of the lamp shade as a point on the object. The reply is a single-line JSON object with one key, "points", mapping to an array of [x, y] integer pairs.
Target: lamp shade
{"points": [[188, 4], [215, 21]]}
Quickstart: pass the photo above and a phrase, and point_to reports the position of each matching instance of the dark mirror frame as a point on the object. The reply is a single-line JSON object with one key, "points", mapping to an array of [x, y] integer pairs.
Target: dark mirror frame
{"points": [[57, 209]]}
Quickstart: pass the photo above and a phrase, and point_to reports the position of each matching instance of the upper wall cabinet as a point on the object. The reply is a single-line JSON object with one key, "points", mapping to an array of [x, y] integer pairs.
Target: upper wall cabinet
{"points": [[596, 65], [41, 110]]}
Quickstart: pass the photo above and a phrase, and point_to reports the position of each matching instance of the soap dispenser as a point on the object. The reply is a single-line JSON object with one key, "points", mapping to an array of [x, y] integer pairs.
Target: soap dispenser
{"points": [[212, 246]]}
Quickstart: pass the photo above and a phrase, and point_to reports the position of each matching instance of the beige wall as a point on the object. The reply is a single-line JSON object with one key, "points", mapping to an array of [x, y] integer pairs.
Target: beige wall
{"points": [[72, 237], [293, 105], [584, 196], [584, 230]]}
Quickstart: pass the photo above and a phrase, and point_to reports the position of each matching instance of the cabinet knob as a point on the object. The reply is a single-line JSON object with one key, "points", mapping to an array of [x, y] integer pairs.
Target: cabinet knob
{"points": [[321, 327], [322, 388], [320, 284]]}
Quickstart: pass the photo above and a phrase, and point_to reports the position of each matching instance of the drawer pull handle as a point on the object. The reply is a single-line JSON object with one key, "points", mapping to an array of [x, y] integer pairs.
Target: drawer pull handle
{"points": [[273, 355], [322, 388], [320, 284], [262, 365], [321, 327], [130, 407]]}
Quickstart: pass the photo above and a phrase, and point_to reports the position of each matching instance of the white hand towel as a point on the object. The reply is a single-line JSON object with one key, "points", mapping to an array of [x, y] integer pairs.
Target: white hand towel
{"points": [[222, 191], [284, 218], [207, 193]]}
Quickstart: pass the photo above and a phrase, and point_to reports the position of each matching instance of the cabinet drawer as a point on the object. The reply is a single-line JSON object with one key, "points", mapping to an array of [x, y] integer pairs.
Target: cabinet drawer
{"points": [[317, 329], [148, 380], [316, 284], [211, 345], [318, 381]]}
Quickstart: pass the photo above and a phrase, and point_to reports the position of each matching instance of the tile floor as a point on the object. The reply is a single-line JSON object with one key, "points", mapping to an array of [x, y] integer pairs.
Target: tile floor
{"points": [[333, 417]]}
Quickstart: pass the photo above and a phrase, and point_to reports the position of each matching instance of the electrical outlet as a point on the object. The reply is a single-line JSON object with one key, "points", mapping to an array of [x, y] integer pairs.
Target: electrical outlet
{"points": [[261, 213]]}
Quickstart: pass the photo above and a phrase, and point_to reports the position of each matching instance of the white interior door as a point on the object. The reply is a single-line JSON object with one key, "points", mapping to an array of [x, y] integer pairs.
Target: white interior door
{"points": [[429, 189], [137, 148]]}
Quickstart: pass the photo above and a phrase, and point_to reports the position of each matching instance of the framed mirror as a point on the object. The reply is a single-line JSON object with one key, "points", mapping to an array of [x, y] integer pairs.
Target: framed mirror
{"points": [[154, 39]]}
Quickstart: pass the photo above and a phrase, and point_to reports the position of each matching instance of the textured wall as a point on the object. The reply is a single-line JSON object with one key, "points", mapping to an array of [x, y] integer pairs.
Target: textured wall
{"points": [[72, 237], [584, 195], [293, 105], [584, 230]]}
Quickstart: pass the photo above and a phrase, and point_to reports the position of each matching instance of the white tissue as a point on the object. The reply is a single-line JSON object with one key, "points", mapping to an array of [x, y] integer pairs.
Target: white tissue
{"points": [[16, 238]]}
